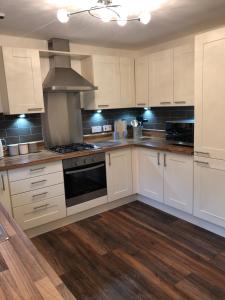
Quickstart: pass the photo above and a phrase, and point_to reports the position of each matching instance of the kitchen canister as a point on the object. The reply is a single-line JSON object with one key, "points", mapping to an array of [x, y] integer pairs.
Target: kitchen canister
{"points": [[23, 148], [33, 147], [13, 149]]}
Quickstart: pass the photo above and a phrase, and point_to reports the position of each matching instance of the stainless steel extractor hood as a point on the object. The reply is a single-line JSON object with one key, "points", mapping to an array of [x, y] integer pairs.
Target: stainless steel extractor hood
{"points": [[61, 77]]}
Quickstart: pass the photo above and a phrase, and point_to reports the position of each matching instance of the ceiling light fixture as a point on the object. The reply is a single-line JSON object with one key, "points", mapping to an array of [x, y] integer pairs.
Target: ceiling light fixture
{"points": [[120, 11]]}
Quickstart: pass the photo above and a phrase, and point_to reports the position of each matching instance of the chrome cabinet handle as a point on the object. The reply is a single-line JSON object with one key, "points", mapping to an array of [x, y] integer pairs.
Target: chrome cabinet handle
{"points": [[38, 169], [41, 181], [41, 207], [3, 183], [35, 109], [165, 165], [203, 153], [109, 159], [103, 105], [141, 104], [158, 158], [38, 195], [205, 163], [165, 102], [179, 102]]}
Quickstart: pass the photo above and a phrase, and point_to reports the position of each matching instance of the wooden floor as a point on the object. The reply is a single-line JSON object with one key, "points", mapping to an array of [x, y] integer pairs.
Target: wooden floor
{"points": [[137, 252]]}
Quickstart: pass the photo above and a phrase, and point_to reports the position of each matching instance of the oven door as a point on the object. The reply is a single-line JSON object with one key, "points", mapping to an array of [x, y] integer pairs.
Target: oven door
{"points": [[85, 183]]}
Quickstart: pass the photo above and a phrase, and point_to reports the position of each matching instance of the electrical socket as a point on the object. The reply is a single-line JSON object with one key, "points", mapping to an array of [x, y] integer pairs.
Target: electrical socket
{"points": [[96, 129], [107, 128]]}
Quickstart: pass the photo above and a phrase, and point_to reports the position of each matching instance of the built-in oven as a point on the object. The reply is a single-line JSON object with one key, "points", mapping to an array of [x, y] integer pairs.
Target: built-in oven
{"points": [[180, 132], [84, 179]]}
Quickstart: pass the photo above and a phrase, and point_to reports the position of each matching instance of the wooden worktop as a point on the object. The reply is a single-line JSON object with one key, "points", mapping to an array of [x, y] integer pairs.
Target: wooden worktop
{"points": [[45, 156], [24, 273]]}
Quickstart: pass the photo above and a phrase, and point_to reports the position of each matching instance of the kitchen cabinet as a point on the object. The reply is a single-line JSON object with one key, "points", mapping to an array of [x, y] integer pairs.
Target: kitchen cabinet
{"points": [[178, 181], [161, 78], [150, 171], [119, 174], [210, 94], [166, 178], [4, 192], [20, 81], [184, 75], [209, 194], [127, 86], [142, 81], [103, 72]]}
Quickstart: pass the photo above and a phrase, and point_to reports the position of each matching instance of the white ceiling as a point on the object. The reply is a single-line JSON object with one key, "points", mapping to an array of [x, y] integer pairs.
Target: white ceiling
{"points": [[32, 18]]}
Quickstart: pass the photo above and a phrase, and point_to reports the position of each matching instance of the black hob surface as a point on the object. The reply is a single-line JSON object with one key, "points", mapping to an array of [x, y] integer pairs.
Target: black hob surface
{"points": [[72, 148]]}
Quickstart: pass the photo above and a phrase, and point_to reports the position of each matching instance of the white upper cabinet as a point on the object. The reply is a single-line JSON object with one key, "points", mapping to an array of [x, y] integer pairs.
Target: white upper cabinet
{"points": [[178, 181], [114, 77], [127, 94], [20, 81], [141, 81], [184, 75], [150, 170], [119, 174], [210, 94], [209, 196], [161, 78]]}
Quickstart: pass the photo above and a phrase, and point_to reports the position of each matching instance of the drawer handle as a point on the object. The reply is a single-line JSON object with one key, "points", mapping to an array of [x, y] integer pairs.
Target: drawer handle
{"points": [[179, 102], [103, 105], [158, 158], [205, 163], [203, 153], [38, 195], [41, 207], [141, 104], [40, 181], [38, 169], [35, 109], [165, 164], [165, 102], [3, 183]]}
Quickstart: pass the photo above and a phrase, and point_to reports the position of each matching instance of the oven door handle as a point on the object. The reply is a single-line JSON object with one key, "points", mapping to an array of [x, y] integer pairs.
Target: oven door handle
{"points": [[84, 170]]}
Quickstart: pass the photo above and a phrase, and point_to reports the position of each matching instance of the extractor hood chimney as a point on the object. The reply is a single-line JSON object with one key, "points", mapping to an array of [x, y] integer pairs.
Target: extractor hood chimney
{"points": [[61, 77]]}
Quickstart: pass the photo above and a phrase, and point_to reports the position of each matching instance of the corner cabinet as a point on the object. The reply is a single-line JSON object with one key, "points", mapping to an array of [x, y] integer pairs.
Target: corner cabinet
{"points": [[166, 178], [210, 94], [119, 174], [4, 192], [20, 81], [114, 77]]}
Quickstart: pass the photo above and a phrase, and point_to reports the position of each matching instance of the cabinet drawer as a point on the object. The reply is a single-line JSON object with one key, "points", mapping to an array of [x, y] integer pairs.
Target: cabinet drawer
{"points": [[38, 195], [33, 171], [36, 214], [31, 184]]}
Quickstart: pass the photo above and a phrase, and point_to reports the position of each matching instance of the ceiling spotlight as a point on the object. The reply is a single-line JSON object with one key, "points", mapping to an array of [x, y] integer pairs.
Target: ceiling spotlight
{"points": [[145, 18], [63, 16]]}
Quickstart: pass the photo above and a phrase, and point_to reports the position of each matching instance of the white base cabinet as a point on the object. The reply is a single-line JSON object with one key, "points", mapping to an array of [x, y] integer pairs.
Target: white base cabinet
{"points": [[209, 198], [4, 192], [119, 174], [166, 178], [150, 171], [179, 181]]}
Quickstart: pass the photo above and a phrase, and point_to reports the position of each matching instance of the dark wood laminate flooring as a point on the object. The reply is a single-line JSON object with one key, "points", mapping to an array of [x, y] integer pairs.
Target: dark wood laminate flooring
{"points": [[136, 252]]}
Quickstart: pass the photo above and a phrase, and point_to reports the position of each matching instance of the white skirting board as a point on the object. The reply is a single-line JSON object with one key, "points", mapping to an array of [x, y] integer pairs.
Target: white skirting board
{"points": [[182, 215], [79, 216]]}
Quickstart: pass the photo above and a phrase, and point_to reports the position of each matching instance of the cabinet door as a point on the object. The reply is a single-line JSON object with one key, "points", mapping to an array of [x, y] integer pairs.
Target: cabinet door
{"points": [[178, 181], [161, 78], [141, 81], [127, 82], [209, 195], [4, 192], [106, 70], [210, 95], [23, 84], [119, 174], [151, 174], [184, 75]]}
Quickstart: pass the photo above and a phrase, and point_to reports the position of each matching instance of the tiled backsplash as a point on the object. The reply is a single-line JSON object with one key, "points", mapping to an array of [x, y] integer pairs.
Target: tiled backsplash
{"points": [[156, 116], [20, 130]]}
